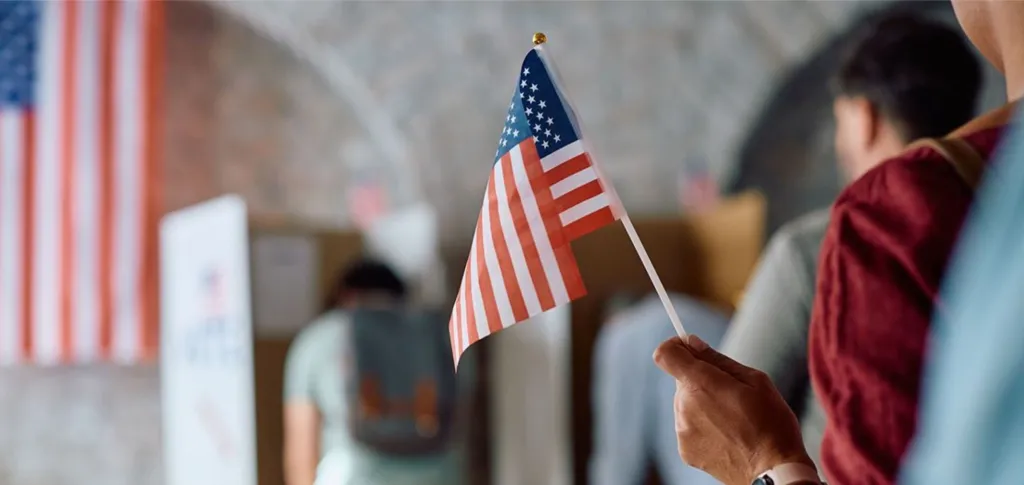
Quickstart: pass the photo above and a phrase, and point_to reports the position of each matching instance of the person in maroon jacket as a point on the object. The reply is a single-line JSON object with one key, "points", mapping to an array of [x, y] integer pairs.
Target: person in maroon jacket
{"points": [[889, 239]]}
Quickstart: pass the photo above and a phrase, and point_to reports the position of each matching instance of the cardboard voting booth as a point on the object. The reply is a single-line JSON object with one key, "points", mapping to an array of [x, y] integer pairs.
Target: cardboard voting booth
{"points": [[234, 293]]}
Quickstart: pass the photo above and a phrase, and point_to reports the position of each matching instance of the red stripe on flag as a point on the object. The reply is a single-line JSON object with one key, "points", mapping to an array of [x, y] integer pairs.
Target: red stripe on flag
{"points": [[484, 278], [589, 223], [553, 225], [152, 195], [470, 324], [110, 31], [580, 194], [68, 192], [568, 168], [530, 252], [508, 273], [28, 195]]}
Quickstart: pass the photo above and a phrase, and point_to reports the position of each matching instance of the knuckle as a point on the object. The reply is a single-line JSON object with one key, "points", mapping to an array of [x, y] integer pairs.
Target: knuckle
{"points": [[762, 379]]}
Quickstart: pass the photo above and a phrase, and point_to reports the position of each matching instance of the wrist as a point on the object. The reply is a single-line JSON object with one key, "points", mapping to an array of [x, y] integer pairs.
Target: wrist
{"points": [[796, 467], [789, 474]]}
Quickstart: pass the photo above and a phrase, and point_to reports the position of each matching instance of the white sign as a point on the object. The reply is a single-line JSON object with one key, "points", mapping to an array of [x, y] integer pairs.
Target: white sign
{"points": [[284, 275], [206, 346]]}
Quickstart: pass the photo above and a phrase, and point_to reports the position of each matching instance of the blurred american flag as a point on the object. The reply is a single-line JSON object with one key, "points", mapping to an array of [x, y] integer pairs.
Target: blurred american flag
{"points": [[79, 180], [367, 202], [698, 190]]}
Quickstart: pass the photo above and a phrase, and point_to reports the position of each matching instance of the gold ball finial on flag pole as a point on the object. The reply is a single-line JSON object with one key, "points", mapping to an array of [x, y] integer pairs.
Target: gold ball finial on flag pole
{"points": [[539, 38]]}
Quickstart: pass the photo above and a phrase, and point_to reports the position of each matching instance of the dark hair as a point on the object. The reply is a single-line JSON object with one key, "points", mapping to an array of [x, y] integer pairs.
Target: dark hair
{"points": [[918, 73], [365, 275]]}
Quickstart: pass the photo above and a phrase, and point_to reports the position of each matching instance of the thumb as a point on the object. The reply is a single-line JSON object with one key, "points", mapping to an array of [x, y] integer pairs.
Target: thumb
{"points": [[675, 358], [679, 360], [705, 353]]}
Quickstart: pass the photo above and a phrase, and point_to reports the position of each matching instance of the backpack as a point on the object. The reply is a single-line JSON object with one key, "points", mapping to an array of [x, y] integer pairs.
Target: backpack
{"points": [[402, 388]]}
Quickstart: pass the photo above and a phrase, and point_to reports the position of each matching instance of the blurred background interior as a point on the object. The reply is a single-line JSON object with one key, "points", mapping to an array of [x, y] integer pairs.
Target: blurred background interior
{"points": [[712, 119]]}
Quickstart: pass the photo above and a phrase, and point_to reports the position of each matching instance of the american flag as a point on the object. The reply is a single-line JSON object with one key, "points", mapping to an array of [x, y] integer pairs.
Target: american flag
{"points": [[367, 202], [698, 190], [79, 180], [544, 191]]}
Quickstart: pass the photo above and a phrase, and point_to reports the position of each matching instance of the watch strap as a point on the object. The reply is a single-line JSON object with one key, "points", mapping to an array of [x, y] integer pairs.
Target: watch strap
{"points": [[791, 474]]}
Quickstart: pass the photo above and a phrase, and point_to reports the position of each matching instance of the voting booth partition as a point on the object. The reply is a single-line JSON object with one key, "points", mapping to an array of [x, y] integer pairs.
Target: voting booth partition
{"points": [[234, 293]]}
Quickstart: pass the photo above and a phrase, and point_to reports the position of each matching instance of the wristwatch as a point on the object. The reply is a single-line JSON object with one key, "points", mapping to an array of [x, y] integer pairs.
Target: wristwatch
{"points": [[788, 474]]}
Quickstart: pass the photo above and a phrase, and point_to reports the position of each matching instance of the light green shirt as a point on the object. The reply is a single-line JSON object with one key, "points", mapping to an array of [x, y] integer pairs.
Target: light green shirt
{"points": [[314, 373], [769, 330]]}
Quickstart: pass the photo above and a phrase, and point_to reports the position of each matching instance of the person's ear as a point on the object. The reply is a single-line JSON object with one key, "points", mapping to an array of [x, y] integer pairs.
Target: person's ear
{"points": [[854, 124], [872, 122]]}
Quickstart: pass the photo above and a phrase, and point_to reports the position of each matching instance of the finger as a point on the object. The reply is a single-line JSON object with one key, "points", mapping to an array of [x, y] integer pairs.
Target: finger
{"points": [[673, 357], [702, 351], [679, 361]]}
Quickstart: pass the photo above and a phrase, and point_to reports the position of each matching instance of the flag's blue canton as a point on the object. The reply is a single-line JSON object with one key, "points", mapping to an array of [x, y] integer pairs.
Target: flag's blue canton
{"points": [[536, 111], [19, 37]]}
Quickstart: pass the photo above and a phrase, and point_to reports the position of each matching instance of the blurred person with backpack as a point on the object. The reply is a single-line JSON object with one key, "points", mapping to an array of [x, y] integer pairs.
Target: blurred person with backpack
{"points": [[884, 255], [890, 89], [370, 393]]}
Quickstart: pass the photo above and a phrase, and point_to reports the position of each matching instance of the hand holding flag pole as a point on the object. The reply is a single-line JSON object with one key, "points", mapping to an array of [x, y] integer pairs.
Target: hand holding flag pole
{"points": [[544, 192], [538, 39]]}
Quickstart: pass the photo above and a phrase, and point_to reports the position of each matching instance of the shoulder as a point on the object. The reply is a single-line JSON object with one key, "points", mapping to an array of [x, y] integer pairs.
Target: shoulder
{"points": [[916, 179], [905, 201], [802, 236], [807, 226], [899, 181], [322, 335]]}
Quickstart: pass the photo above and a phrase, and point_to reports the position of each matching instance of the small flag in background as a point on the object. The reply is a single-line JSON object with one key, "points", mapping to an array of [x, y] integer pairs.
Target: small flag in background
{"points": [[367, 202], [544, 191], [698, 190]]}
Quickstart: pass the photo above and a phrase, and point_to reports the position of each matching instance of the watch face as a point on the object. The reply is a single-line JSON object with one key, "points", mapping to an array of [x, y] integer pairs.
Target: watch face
{"points": [[765, 480]]}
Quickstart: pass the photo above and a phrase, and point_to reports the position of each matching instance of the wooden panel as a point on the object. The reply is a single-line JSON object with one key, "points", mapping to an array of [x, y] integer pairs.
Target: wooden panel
{"points": [[709, 256], [335, 250], [269, 358]]}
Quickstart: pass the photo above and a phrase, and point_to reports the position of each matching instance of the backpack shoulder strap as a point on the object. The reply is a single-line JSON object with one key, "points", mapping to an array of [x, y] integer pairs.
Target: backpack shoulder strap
{"points": [[967, 162]]}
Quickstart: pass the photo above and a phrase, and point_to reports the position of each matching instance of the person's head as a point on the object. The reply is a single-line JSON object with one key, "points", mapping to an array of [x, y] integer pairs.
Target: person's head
{"points": [[366, 283], [904, 78]]}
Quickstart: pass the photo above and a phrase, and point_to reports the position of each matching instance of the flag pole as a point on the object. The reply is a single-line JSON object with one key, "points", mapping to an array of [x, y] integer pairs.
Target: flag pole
{"points": [[652, 273], [538, 39]]}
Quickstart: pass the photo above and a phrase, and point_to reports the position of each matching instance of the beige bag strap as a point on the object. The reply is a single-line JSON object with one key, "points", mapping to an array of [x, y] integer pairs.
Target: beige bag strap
{"points": [[961, 155]]}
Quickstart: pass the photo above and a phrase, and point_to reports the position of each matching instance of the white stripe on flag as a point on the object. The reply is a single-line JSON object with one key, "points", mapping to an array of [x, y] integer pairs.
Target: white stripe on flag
{"points": [[501, 294], [573, 182], [463, 322], [515, 249], [47, 235], [11, 215], [585, 208], [455, 323], [561, 156], [479, 316], [540, 235], [128, 159], [85, 316]]}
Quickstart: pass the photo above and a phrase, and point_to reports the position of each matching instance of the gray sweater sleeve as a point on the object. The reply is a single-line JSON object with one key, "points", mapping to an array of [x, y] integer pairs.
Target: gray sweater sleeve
{"points": [[769, 330]]}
